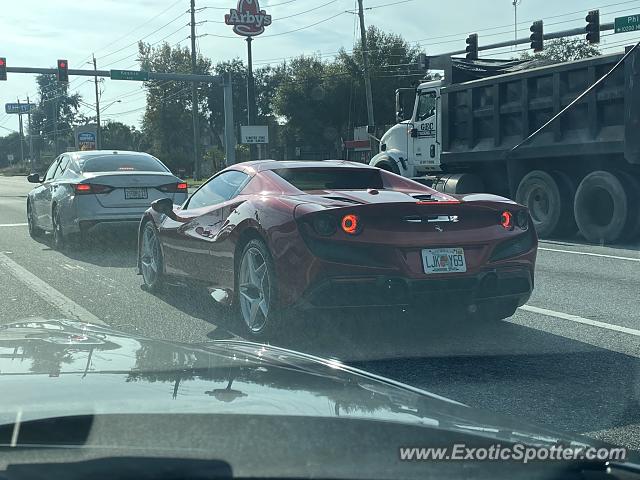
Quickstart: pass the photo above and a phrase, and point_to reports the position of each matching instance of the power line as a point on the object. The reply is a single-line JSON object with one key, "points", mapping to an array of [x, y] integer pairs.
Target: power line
{"points": [[151, 44], [142, 38], [137, 28]]}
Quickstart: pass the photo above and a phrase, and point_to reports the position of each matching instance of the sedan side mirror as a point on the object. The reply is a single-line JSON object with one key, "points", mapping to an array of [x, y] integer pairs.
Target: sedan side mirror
{"points": [[164, 205], [34, 178]]}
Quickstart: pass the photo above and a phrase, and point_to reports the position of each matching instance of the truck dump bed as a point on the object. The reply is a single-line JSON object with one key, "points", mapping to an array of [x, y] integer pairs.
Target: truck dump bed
{"points": [[488, 116]]}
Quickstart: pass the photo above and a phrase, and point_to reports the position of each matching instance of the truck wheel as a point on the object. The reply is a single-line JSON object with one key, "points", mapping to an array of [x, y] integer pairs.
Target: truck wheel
{"points": [[602, 207], [389, 165], [549, 204], [632, 186]]}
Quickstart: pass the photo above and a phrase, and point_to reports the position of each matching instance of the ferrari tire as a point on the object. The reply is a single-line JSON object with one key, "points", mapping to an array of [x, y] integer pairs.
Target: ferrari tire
{"points": [[151, 259], [34, 231], [549, 200], [603, 206], [257, 291]]}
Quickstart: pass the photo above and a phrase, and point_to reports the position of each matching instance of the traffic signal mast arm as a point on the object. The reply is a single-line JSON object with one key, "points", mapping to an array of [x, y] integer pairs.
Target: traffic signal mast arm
{"points": [[525, 40], [107, 73]]}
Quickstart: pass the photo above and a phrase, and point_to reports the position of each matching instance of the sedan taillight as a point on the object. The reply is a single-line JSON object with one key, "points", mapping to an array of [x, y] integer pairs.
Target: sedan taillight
{"points": [[174, 187], [89, 188]]}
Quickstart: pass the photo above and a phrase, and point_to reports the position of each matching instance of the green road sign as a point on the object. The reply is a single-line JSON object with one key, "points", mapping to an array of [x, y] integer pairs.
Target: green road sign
{"points": [[630, 23], [135, 75]]}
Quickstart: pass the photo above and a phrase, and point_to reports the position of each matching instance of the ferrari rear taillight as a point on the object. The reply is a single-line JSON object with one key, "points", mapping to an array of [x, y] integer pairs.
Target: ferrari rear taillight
{"points": [[174, 187], [91, 188], [506, 220], [350, 224]]}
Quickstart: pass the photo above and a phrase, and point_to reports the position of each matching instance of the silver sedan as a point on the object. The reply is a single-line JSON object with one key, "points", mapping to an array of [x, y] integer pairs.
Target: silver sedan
{"points": [[82, 189]]}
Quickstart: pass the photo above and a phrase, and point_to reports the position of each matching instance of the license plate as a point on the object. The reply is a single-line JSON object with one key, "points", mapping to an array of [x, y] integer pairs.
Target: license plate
{"points": [[443, 260], [135, 193]]}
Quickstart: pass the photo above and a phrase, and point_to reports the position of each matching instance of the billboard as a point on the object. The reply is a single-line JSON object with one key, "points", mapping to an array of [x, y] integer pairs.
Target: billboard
{"points": [[86, 137], [248, 20]]}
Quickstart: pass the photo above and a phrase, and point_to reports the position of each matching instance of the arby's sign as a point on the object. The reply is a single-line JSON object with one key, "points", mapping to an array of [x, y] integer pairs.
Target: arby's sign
{"points": [[248, 20]]}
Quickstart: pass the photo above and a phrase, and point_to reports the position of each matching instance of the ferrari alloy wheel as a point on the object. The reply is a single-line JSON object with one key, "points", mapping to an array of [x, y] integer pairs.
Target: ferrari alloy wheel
{"points": [[58, 233], [34, 231], [151, 258], [256, 289]]}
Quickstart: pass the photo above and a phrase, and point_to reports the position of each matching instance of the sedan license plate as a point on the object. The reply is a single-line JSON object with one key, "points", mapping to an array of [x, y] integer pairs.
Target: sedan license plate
{"points": [[443, 260], [135, 193]]}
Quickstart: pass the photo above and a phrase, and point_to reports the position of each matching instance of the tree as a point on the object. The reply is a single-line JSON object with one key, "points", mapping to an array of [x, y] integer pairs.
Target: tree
{"points": [[565, 49], [55, 107], [393, 65], [9, 145], [167, 122], [118, 136], [313, 98]]}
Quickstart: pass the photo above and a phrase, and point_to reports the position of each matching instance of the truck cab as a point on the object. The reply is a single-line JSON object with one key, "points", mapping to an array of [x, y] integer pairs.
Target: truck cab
{"points": [[412, 147]]}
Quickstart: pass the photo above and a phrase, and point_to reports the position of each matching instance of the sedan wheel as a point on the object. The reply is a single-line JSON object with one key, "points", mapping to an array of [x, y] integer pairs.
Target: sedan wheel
{"points": [[151, 258], [58, 234], [256, 289], [34, 231]]}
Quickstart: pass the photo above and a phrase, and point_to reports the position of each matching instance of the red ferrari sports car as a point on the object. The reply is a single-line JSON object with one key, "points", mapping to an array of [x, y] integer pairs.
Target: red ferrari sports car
{"points": [[269, 236]]}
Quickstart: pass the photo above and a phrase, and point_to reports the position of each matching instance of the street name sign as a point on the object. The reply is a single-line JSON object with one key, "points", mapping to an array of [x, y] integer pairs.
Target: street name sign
{"points": [[18, 107], [135, 75], [628, 23]]}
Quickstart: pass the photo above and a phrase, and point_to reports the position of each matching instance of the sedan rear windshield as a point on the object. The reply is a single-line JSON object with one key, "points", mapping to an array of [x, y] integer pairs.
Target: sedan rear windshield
{"points": [[307, 179], [121, 163]]}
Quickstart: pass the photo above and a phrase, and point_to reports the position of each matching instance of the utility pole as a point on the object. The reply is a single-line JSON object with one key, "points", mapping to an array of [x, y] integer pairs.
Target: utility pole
{"points": [[21, 134], [194, 96], [515, 4], [365, 59], [30, 132], [55, 125], [95, 79], [229, 124], [251, 95]]}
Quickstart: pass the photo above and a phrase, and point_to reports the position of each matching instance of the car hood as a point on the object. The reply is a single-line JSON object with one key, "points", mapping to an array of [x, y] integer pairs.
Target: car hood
{"points": [[63, 367]]}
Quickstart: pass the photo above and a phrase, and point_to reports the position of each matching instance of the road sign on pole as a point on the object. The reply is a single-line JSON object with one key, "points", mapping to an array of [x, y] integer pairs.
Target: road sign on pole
{"points": [[628, 23], [254, 134], [135, 75], [18, 108]]}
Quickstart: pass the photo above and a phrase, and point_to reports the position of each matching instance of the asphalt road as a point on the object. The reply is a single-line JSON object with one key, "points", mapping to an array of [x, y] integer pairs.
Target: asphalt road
{"points": [[570, 359]]}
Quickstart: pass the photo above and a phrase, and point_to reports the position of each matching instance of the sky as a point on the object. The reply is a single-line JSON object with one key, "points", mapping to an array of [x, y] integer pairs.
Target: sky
{"points": [[35, 33]]}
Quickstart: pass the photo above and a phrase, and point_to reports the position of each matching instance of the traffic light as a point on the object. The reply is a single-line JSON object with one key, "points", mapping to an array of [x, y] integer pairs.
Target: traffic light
{"points": [[63, 71], [3, 68], [472, 46], [536, 36], [593, 26]]}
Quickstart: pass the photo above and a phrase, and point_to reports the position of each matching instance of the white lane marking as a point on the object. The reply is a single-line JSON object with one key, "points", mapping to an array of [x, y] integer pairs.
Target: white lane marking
{"points": [[13, 224], [48, 293], [589, 254], [577, 319], [16, 429]]}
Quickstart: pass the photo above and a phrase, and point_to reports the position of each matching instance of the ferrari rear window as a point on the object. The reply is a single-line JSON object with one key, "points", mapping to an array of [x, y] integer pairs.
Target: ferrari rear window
{"points": [[306, 179], [122, 163]]}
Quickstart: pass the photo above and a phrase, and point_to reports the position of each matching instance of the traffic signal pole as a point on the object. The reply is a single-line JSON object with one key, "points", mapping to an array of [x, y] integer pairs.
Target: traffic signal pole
{"points": [[95, 79], [194, 96]]}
